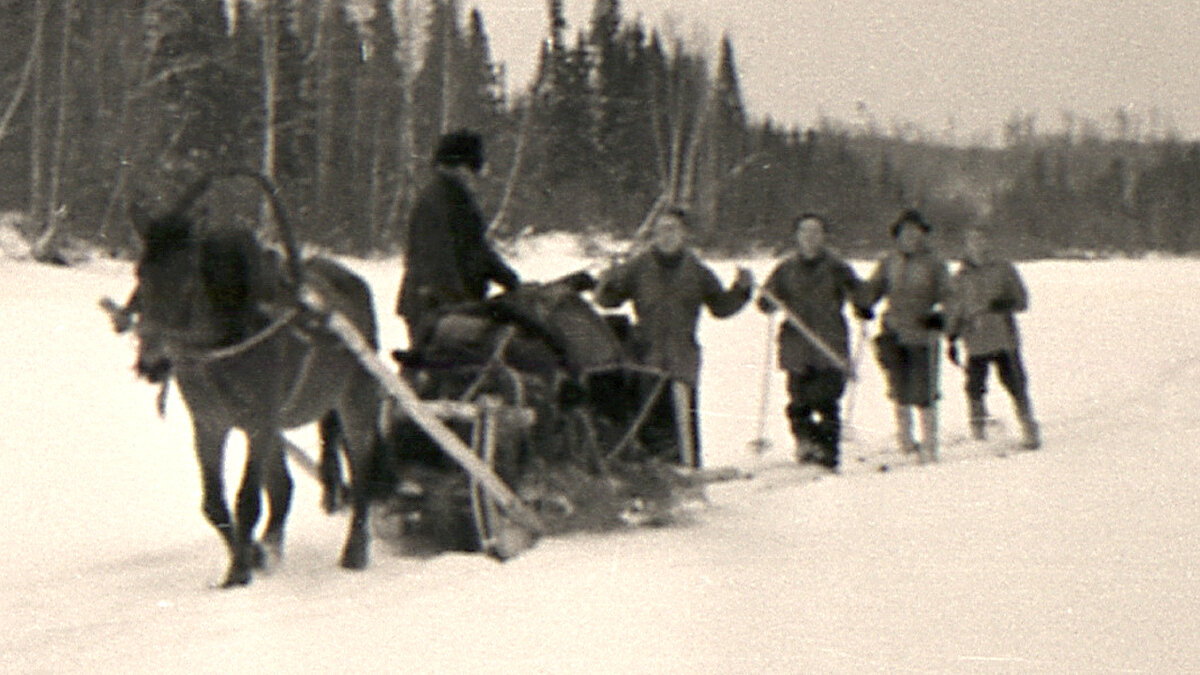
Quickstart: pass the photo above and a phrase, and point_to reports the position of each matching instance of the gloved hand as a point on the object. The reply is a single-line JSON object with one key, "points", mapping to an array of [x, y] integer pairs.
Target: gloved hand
{"points": [[1002, 304], [934, 321], [744, 279], [766, 305], [579, 281], [508, 279], [864, 313]]}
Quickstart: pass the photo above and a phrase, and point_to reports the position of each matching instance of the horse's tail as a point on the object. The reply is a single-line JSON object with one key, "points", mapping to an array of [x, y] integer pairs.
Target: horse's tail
{"points": [[382, 474]]}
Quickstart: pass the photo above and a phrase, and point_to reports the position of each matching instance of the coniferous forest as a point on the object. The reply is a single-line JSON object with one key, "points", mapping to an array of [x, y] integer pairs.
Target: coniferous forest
{"points": [[340, 102]]}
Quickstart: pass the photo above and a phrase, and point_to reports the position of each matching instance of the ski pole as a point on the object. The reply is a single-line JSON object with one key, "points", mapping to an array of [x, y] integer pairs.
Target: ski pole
{"points": [[761, 443], [855, 360]]}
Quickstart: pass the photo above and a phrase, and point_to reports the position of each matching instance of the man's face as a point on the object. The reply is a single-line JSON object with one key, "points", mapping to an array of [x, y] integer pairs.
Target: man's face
{"points": [[810, 236], [910, 238], [977, 246], [668, 233]]}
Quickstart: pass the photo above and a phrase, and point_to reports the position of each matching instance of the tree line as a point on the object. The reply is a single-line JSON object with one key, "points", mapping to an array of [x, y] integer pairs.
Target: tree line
{"points": [[340, 102]]}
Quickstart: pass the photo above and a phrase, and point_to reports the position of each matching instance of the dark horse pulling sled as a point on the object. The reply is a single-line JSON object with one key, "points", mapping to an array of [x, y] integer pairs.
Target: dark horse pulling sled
{"points": [[536, 381]]}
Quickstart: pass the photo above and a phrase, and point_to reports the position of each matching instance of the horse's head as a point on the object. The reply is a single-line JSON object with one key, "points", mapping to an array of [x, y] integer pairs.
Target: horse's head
{"points": [[166, 282], [191, 285]]}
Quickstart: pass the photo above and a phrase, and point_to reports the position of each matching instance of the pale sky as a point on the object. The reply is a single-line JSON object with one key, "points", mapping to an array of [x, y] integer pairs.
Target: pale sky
{"points": [[974, 62]]}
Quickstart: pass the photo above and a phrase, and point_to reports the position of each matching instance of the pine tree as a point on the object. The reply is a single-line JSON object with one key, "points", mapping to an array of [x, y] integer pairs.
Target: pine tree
{"points": [[384, 79]]}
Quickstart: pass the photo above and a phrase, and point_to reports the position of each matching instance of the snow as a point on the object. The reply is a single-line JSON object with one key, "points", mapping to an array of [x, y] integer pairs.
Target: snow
{"points": [[1082, 557]]}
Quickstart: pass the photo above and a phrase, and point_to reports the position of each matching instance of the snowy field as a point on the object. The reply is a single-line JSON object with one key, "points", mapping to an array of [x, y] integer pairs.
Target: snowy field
{"points": [[1083, 557]]}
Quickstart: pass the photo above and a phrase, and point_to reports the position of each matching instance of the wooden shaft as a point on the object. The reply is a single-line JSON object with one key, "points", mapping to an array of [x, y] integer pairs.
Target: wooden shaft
{"points": [[449, 442], [808, 333]]}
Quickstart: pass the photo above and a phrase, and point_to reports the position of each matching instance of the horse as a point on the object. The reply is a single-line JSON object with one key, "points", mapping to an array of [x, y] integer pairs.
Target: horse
{"points": [[217, 311]]}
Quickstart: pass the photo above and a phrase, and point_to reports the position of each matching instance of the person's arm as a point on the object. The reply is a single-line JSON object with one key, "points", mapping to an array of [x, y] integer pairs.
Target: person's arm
{"points": [[1014, 297], [615, 286], [870, 291], [774, 286], [722, 302]]}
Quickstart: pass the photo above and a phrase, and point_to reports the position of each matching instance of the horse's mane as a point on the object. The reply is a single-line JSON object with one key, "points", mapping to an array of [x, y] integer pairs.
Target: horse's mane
{"points": [[231, 268]]}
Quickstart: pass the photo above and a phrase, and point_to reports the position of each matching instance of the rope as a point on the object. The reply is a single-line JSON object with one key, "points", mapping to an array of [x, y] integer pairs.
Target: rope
{"points": [[208, 355]]}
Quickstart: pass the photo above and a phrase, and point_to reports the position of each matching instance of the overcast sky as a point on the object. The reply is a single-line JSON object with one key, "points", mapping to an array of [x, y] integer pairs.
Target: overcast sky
{"points": [[948, 65]]}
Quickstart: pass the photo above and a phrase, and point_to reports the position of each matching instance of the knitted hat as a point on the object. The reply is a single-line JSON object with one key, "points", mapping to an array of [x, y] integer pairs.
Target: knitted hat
{"points": [[909, 216]]}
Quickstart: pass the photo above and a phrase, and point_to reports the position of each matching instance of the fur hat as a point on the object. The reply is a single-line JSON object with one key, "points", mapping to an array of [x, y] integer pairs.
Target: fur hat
{"points": [[909, 216], [460, 148]]}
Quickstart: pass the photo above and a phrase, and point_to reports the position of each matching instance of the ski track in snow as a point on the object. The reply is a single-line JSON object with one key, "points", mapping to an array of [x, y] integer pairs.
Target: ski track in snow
{"points": [[1082, 557]]}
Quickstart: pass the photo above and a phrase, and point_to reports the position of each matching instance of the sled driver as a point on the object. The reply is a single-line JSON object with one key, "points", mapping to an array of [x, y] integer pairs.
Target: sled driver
{"points": [[448, 259]]}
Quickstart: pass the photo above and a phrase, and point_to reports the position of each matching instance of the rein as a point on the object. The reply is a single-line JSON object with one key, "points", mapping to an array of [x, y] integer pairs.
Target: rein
{"points": [[179, 350], [209, 355]]}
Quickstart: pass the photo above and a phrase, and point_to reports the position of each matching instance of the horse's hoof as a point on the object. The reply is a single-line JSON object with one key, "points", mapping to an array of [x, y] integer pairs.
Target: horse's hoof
{"points": [[354, 559], [236, 579], [272, 548], [333, 501], [259, 557]]}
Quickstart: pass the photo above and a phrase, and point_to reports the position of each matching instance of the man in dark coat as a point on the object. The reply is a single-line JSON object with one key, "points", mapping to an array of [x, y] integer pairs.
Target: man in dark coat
{"points": [[917, 284], [449, 259], [814, 285], [668, 284], [987, 292]]}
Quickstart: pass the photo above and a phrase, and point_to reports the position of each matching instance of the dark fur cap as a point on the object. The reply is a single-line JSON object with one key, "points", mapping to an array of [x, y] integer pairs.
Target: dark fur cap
{"points": [[460, 148], [909, 216]]}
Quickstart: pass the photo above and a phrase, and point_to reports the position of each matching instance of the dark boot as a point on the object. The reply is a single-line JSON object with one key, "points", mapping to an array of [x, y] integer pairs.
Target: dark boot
{"points": [[804, 430], [1031, 437], [929, 434], [829, 431], [904, 429], [978, 419]]}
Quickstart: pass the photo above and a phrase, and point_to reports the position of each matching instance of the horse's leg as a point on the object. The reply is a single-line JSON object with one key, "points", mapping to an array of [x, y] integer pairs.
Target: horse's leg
{"points": [[333, 495], [210, 453], [247, 554], [279, 497], [359, 414]]}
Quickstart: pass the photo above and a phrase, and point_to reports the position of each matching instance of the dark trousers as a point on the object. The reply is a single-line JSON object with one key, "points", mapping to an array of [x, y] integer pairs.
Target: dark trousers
{"points": [[1012, 376], [911, 370], [814, 409], [660, 433]]}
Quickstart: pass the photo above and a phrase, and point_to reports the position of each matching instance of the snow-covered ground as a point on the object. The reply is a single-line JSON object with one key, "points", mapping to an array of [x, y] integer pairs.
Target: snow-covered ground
{"points": [[1083, 557]]}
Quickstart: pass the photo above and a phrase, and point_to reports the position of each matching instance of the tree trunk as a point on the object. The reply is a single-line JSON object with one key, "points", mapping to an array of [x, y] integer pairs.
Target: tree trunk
{"points": [[270, 92], [27, 71], [325, 124], [45, 249], [405, 175], [130, 140], [37, 132]]}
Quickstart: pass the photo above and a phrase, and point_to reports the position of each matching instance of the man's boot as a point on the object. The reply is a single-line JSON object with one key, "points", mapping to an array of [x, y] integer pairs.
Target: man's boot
{"points": [[978, 419], [1031, 435], [904, 429], [929, 434]]}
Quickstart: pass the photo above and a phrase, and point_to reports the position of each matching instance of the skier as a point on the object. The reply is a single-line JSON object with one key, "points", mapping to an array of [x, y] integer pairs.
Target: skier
{"points": [[448, 260], [668, 284], [987, 292], [813, 284], [916, 283]]}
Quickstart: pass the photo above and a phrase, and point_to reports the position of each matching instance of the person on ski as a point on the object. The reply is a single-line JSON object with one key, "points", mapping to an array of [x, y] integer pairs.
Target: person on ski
{"points": [[987, 292], [668, 284], [448, 259], [813, 284], [917, 284]]}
